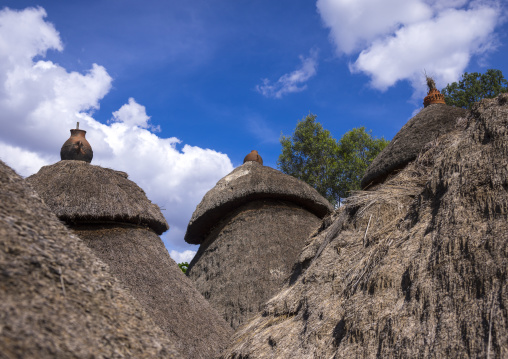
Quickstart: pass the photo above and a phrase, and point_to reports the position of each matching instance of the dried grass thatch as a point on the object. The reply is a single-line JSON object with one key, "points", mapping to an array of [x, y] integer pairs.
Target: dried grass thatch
{"points": [[247, 256], [133, 251], [78, 192], [249, 182], [57, 299], [415, 268], [430, 123], [139, 259]]}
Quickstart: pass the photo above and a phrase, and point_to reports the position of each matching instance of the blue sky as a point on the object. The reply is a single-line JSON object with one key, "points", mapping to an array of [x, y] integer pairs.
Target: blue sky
{"points": [[176, 93]]}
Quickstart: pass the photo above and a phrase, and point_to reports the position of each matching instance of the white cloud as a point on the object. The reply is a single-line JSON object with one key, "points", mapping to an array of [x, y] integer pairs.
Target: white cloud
{"points": [[354, 24], [40, 101], [292, 82], [399, 39], [180, 257], [133, 114]]}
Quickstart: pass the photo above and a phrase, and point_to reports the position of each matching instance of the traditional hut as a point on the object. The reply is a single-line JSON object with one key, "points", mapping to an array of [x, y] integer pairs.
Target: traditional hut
{"points": [[251, 227], [434, 120], [113, 216], [58, 300], [414, 268]]}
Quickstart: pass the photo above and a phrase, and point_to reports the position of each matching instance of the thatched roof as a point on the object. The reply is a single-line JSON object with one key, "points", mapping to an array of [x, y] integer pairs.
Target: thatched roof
{"points": [[430, 123], [415, 268], [79, 192], [138, 258], [248, 182], [57, 299], [247, 256]]}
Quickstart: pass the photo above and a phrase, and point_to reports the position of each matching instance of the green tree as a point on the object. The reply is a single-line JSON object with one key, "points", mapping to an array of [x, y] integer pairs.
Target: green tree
{"points": [[473, 87], [357, 149], [334, 168], [310, 155], [183, 266]]}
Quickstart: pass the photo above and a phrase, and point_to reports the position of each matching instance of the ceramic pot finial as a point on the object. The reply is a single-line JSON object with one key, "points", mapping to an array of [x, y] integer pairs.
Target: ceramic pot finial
{"points": [[253, 156], [77, 147]]}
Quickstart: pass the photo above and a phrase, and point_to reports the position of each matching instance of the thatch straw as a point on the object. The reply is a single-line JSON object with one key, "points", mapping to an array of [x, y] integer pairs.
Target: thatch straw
{"points": [[57, 299], [79, 192], [115, 219], [430, 123], [138, 258], [248, 183], [430, 280], [248, 255]]}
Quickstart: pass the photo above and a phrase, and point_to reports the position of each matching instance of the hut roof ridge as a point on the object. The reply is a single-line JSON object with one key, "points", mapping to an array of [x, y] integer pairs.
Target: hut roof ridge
{"points": [[77, 192]]}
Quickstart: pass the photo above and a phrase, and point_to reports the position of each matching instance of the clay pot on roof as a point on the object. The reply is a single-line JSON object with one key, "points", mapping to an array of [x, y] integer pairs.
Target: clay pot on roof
{"points": [[113, 216], [77, 147], [251, 227]]}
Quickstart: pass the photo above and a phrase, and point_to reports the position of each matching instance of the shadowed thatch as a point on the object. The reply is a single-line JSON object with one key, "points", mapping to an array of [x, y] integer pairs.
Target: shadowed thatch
{"points": [[248, 182], [430, 123], [261, 218], [134, 253], [139, 259], [57, 298], [78, 192], [416, 268]]}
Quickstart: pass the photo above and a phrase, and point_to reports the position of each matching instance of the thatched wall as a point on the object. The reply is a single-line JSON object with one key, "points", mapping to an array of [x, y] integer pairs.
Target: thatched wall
{"points": [[115, 218], [139, 259], [248, 182], [77, 192], [416, 268], [246, 257], [430, 123], [57, 300]]}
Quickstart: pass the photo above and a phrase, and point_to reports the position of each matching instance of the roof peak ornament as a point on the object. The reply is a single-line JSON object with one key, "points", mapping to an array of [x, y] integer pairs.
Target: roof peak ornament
{"points": [[434, 96], [253, 156], [77, 147]]}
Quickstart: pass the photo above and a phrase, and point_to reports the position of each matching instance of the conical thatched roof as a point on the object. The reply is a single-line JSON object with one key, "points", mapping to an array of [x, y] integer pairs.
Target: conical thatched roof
{"points": [[248, 182], [57, 299], [138, 258], [430, 123], [101, 206], [79, 192], [251, 227], [415, 268]]}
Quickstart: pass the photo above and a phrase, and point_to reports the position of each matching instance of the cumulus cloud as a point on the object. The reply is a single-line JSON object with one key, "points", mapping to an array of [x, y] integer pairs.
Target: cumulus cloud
{"points": [[40, 101], [133, 114], [180, 257], [398, 39], [292, 82]]}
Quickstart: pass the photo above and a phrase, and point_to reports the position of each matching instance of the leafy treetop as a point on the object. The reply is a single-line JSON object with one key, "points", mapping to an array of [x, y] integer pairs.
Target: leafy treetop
{"points": [[334, 168], [473, 87]]}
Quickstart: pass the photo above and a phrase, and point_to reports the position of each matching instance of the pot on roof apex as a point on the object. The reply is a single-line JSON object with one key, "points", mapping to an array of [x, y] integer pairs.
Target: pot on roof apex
{"points": [[434, 96], [253, 156], [77, 147]]}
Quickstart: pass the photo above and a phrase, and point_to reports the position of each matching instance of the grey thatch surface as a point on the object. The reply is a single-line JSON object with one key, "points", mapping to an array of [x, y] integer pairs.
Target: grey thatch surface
{"points": [[77, 191], [416, 268], [248, 182], [139, 259], [57, 300], [247, 256], [430, 123]]}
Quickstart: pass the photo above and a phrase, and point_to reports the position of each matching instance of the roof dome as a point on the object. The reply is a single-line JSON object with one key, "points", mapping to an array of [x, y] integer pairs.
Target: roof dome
{"points": [[248, 182], [78, 192], [430, 123]]}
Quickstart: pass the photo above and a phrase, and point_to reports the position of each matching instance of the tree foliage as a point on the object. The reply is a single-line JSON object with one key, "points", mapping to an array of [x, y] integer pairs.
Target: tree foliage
{"points": [[183, 266], [357, 149], [334, 168], [473, 87]]}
